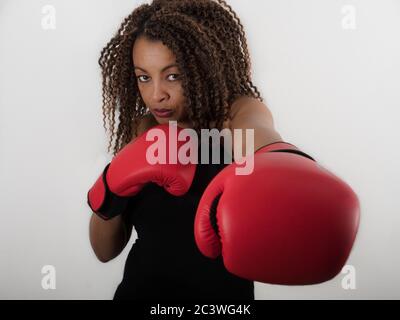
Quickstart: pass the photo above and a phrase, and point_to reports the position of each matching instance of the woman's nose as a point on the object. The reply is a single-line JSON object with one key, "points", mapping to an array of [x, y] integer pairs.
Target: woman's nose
{"points": [[159, 92]]}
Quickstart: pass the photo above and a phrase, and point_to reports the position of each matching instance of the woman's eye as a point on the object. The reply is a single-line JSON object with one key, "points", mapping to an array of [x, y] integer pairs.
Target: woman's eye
{"points": [[138, 77], [176, 76]]}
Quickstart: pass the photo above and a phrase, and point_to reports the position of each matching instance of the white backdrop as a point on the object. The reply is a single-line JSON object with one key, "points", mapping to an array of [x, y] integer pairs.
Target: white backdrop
{"points": [[329, 71]]}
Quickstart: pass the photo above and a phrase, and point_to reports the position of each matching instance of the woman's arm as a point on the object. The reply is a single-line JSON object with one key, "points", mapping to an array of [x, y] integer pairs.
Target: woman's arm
{"points": [[249, 113], [109, 237]]}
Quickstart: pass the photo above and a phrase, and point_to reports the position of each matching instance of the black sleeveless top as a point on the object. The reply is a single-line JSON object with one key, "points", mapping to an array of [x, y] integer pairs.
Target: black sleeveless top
{"points": [[164, 262]]}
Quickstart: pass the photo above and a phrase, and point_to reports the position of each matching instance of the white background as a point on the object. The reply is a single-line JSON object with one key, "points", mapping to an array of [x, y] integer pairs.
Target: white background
{"points": [[334, 92]]}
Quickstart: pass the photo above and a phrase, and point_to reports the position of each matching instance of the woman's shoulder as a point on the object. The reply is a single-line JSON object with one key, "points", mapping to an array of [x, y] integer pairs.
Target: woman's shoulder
{"points": [[245, 102], [144, 123], [238, 104]]}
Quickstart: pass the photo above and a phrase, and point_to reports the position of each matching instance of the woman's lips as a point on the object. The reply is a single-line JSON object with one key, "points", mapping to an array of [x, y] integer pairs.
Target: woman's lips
{"points": [[163, 113]]}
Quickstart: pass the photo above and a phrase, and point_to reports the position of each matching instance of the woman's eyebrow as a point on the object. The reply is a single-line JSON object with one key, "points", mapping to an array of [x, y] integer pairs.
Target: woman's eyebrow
{"points": [[165, 68]]}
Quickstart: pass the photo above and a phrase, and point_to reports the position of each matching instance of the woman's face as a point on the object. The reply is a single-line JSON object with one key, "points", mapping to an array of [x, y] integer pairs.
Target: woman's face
{"points": [[159, 81]]}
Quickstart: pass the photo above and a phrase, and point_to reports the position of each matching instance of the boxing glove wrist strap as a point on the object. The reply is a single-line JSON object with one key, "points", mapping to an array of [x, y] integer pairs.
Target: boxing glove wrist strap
{"points": [[281, 146], [110, 204]]}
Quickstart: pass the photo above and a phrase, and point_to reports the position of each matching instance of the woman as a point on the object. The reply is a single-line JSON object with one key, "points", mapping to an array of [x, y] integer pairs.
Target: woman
{"points": [[191, 58], [186, 61]]}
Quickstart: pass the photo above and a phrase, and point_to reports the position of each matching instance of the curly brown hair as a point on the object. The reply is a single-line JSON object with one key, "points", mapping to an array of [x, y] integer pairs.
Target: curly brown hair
{"points": [[210, 47]]}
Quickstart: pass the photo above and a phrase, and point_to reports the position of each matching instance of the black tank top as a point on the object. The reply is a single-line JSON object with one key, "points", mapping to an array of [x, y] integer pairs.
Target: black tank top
{"points": [[164, 262]]}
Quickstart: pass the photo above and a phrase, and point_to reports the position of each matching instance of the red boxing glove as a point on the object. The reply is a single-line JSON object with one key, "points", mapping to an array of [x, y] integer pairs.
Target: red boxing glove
{"points": [[130, 170], [289, 222]]}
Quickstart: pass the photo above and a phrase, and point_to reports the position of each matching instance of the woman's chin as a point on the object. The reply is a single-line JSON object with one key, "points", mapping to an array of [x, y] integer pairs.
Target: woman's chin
{"points": [[183, 124], [164, 120]]}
